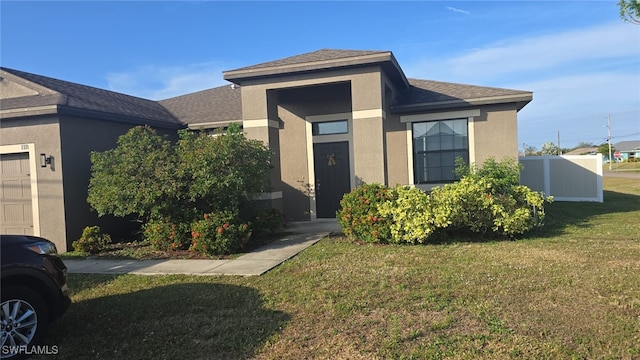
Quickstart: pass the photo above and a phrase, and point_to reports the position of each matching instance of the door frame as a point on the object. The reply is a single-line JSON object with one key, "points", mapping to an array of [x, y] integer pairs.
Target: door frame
{"points": [[311, 139], [29, 148]]}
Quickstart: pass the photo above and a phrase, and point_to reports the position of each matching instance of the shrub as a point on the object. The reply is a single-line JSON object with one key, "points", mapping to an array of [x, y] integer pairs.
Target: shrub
{"points": [[219, 233], [92, 240], [412, 215], [472, 206], [501, 176], [164, 234], [267, 221], [468, 203], [359, 216]]}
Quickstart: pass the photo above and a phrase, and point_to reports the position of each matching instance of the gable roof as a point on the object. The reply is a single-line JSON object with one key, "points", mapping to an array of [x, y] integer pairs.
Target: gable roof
{"points": [[319, 60], [425, 95], [67, 98]]}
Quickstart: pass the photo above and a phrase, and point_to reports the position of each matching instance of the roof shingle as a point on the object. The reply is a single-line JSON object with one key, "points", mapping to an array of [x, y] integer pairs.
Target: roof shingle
{"points": [[82, 97]]}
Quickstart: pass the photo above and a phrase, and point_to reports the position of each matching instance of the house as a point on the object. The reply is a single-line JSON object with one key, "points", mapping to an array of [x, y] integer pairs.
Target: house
{"points": [[334, 119], [628, 150]]}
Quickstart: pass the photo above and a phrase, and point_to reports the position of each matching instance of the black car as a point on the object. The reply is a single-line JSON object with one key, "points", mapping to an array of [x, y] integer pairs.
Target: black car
{"points": [[34, 293]]}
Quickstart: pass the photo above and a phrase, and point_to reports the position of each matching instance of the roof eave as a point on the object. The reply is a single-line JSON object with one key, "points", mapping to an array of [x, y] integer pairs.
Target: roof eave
{"points": [[237, 76], [99, 115], [520, 101]]}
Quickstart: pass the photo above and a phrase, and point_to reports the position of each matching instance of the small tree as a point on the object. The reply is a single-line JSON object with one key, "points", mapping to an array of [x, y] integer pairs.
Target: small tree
{"points": [[549, 148], [222, 172], [135, 178], [169, 186], [604, 149]]}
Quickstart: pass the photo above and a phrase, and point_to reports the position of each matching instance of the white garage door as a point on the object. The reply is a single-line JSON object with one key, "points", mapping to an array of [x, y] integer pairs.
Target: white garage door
{"points": [[15, 196]]}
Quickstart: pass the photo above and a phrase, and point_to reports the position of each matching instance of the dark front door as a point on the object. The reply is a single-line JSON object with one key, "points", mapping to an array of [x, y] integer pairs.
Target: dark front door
{"points": [[331, 161]]}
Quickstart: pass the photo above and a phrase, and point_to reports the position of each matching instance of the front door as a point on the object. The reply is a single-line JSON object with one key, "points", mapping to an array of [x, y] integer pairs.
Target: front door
{"points": [[331, 164]]}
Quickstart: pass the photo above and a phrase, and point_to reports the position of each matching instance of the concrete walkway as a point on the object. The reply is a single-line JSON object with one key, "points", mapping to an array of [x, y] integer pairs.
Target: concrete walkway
{"points": [[300, 235]]}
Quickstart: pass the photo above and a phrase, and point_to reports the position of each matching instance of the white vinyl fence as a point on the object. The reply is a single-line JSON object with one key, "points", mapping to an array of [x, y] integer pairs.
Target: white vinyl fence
{"points": [[566, 178]]}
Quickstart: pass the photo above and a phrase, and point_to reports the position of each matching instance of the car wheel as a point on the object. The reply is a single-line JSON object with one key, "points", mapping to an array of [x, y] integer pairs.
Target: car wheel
{"points": [[24, 319]]}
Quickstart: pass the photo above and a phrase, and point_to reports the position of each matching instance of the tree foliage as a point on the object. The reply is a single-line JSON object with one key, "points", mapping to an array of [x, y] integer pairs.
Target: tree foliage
{"points": [[604, 149], [549, 148], [222, 171], [136, 177], [630, 11], [146, 175]]}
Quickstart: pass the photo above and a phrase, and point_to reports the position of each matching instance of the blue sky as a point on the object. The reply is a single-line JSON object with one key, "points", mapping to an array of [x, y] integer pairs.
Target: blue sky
{"points": [[580, 60]]}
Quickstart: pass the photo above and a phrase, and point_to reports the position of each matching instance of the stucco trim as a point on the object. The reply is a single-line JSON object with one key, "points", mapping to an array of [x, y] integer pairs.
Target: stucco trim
{"points": [[33, 169], [260, 123], [31, 111], [366, 114]]}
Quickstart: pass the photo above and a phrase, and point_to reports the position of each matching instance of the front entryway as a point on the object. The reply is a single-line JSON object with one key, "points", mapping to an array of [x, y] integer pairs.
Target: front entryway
{"points": [[332, 176]]}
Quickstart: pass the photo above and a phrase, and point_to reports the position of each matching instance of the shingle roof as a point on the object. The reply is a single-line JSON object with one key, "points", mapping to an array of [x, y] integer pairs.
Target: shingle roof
{"points": [[438, 94], [632, 145], [223, 103], [320, 60], [319, 55], [72, 96]]}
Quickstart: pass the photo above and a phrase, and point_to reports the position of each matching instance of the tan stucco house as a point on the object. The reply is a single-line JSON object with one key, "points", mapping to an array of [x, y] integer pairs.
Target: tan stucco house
{"points": [[333, 118]]}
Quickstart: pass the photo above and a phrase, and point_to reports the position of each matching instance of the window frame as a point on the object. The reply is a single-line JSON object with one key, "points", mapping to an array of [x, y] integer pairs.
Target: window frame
{"points": [[427, 154], [408, 119]]}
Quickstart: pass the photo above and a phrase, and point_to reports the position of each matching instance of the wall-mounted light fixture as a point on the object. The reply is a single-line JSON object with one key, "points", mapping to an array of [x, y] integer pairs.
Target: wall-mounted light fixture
{"points": [[45, 160]]}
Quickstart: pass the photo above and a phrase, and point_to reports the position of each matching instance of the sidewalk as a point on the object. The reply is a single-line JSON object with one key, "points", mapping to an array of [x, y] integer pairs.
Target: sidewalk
{"points": [[300, 235]]}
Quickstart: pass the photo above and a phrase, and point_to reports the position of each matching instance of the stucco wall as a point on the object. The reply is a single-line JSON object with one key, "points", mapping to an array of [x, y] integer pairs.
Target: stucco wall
{"points": [[295, 105], [44, 133], [495, 134], [338, 91]]}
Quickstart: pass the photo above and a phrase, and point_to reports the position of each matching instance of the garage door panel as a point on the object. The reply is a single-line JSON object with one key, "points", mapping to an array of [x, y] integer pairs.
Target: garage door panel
{"points": [[15, 193]]}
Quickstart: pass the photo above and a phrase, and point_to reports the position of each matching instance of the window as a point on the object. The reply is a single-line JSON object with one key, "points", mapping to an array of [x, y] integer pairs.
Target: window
{"points": [[436, 145], [330, 127]]}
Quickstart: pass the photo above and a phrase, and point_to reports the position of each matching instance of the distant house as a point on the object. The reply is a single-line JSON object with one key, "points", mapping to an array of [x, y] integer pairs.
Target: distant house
{"points": [[583, 151], [334, 119], [628, 149]]}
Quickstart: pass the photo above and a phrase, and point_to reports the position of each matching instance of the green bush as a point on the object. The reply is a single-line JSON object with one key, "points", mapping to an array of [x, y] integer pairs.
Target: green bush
{"points": [[468, 204], [359, 216], [92, 240], [265, 222], [219, 233], [148, 176], [412, 216], [486, 200], [472, 205], [164, 234]]}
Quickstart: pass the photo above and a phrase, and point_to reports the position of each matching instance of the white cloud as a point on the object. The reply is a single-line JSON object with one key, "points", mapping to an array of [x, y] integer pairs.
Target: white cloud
{"points": [[162, 82], [577, 77], [451, 8], [524, 55], [577, 107]]}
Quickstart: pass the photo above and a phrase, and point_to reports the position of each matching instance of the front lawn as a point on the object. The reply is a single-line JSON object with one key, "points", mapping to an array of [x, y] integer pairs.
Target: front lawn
{"points": [[569, 291]]}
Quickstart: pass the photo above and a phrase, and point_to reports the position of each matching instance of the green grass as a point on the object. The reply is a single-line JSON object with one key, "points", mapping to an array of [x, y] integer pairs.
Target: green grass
{"points": [[571, 291], [624, 166]]}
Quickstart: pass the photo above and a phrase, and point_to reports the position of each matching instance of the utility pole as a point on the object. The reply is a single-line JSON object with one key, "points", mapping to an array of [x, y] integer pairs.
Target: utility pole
{"points": [[559, 149], [609, 138]]}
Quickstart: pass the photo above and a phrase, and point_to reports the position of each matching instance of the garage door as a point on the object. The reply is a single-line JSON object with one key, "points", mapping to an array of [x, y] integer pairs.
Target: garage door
{"points": [[15, 186]]}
